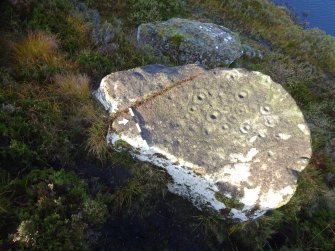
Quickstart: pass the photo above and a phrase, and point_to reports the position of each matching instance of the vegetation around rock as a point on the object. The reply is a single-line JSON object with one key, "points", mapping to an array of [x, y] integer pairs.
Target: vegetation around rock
{"points": [[62, 188]]}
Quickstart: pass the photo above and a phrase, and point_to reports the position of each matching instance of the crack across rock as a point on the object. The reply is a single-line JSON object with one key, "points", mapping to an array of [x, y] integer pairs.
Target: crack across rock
{"points": [[227, 137]]}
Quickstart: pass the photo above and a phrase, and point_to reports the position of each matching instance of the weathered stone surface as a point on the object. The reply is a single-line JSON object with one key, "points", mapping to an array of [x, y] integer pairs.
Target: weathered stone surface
{"points": [[232, 140], [190, 41], [120, 90]]}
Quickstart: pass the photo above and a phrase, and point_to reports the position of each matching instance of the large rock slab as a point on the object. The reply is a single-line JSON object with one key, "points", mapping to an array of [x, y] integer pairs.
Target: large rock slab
{"points": [[190, 41], [232, 140]]}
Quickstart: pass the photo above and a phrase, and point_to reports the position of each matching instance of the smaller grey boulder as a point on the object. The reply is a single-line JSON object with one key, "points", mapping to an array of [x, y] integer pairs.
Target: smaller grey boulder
{"points": [[190, 41], [102, 34]]}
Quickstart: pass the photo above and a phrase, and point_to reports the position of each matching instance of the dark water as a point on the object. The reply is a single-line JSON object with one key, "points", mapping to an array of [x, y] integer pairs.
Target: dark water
{"points": [[317, 13]]}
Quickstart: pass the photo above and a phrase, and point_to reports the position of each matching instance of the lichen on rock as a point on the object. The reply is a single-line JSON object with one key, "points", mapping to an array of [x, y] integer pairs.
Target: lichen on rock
{"points": [[190, 41]]}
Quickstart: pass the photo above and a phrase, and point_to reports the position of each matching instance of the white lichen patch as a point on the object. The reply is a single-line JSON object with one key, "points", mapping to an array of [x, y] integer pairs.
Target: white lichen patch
{"points": [[238, 171], [203, 189], [233, 174], [284, 136], [304, 129], [238, 214], [250, 196], [253, 139], [270, 199], [239, 157], [274, 199], [103, 96]]}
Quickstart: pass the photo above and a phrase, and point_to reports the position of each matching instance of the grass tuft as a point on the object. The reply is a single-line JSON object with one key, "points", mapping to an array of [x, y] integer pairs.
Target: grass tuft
{"points": [[125, 196], [37, 56], [36, 46], [73, 86], [96, 145]]}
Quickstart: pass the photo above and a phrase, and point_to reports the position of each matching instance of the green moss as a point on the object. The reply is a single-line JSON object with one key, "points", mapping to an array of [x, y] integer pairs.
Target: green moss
{"points": [[229, 202], [176, 39], [95, 64], [122, 144]]}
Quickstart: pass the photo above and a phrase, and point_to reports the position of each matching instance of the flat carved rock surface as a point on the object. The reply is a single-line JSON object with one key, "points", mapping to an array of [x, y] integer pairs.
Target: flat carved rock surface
{"points": [[120, 90], [232, 140]]}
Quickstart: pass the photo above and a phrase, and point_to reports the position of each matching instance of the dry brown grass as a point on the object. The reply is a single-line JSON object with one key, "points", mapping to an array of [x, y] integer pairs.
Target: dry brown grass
{"points": [[36, 46], [38, 52], [75, 91], [96, 145], [73, 86], [78, 26]]}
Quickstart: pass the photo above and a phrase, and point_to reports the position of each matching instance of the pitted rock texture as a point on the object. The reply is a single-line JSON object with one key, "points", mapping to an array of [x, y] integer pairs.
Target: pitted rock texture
{"points": [[190, 41], [120, 90], [232, 140]]}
